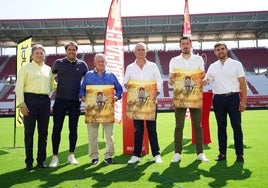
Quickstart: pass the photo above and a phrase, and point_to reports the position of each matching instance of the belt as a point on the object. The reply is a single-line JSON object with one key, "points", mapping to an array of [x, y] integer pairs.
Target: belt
{"points": [[226, 94], [36, 95]]}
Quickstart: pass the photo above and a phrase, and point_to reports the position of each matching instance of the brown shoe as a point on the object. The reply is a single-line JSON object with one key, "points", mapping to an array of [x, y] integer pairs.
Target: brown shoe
{"points": [[220, 157], [239, 159]]}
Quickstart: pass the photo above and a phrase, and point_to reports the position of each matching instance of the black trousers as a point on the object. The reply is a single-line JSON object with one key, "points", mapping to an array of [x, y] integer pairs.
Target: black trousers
{"points": [[223, 106], [60, 109], [39, 107], [138, 137]]}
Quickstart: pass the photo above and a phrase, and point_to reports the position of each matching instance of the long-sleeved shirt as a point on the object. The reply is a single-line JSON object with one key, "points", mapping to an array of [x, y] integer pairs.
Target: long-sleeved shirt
{"points": [[149, 71], [106, 78], [32, 78]]}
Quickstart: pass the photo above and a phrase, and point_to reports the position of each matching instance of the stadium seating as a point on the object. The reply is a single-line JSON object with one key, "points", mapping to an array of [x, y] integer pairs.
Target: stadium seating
{"points": [[251, 58]]}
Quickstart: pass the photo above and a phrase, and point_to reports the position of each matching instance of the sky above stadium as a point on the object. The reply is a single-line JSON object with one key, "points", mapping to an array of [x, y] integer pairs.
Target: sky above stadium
{"points": [[49, 9]]}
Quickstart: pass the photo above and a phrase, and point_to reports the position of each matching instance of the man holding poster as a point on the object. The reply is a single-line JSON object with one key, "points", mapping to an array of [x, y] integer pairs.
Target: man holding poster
{"points": [[99, 90], [186, 72], [143, 78]]}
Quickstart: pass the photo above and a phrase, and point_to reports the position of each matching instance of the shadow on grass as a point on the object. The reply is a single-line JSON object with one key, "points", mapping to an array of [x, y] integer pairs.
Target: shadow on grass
{"points": [[174, 175], [2, 152], [233, 147], [54, 177], [221, 173], [170, 147], [48, 175], [128, 173]]}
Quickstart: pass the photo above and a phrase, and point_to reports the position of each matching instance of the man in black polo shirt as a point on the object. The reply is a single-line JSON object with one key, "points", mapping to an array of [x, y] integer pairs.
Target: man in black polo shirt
{"points": [[68, 71]]}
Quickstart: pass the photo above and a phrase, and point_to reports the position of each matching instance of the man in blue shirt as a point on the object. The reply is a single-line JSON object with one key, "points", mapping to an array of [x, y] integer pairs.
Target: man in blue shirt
{"points": [[99, 76]]}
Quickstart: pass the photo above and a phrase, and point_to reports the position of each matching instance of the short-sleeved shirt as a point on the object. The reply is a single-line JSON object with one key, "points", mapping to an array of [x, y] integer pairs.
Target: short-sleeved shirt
{"points": [[225, 76], [195, 62], [69, 76]]}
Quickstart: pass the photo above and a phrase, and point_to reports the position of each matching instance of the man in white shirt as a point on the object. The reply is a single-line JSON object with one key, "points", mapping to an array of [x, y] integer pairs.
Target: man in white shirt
{"points": [[142, 69], [230, 91], [186, 60]]}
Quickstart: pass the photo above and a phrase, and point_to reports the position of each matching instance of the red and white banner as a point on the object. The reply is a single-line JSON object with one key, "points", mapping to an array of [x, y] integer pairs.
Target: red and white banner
{"points": [[114, 49], [186, 27]]}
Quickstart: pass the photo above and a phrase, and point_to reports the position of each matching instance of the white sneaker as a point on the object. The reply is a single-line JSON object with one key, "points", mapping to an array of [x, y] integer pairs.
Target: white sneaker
{"points": [[71, 159], [54, 162], [158, 159], [176, 158], [134, 159], [201, 157]]}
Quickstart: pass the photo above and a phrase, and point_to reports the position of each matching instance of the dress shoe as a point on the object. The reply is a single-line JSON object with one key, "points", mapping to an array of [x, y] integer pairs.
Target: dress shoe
{"points": [[239, 159], [94, 161], [221, 157], [42, 165], [109, 160], [29, 167]]}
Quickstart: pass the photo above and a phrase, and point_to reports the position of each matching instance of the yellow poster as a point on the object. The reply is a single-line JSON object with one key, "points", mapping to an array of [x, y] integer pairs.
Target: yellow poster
{"points": [[99, 104], [141, 100], [188, 89]]}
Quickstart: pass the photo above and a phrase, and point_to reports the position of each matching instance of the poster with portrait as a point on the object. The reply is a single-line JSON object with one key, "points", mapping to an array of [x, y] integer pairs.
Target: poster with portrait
{"points": [[188, 89], [99, 105], [141, 99]]}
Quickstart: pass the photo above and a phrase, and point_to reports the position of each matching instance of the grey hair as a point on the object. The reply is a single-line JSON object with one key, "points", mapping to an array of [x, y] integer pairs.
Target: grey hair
{"points": [[142, 44], [38, 46], [100, 55]]}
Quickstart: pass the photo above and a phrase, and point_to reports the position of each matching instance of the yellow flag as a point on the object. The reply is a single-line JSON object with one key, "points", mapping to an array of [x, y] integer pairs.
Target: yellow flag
{"points": [[23, 56]]}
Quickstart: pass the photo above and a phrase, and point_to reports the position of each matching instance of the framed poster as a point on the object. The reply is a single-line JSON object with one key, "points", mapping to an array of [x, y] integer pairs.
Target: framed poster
{"points": [[141, 99], [188, 89], [99, 104]]}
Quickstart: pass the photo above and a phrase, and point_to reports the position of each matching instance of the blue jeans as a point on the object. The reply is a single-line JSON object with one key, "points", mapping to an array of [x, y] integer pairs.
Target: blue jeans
{"points": [[224, 105]]}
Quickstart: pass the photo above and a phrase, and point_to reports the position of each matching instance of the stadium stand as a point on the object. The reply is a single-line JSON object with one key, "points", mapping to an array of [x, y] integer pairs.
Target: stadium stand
{"points": [[252, 57], [257, 84]]}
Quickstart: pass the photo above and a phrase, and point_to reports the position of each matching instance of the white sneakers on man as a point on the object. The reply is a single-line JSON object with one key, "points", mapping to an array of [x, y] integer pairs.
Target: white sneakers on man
{"points": [[71, 159], [176, 158], [201, 157], [54, 162], [158, 159], [134, 159]]}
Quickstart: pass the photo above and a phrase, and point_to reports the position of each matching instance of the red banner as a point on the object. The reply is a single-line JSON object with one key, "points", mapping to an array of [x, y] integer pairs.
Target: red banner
{"points": [[114, 49], [186, 28]]}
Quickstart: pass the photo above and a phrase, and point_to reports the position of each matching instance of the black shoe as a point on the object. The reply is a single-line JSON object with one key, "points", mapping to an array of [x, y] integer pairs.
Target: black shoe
{"points": [[108, 161], [29, 167], [42, 165], [220, 157], [94, 161], [239, 159]]}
